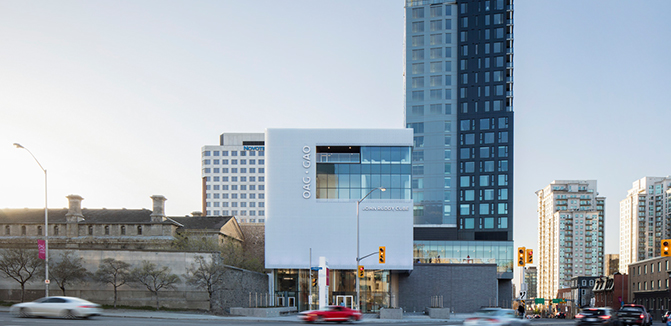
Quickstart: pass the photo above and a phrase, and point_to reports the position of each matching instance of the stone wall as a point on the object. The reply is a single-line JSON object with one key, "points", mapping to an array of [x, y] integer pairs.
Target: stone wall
{"points": [[243, 289], [234, 291], [463, 287]]}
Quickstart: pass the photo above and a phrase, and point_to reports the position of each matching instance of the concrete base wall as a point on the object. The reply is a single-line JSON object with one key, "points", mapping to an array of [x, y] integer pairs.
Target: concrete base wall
{"points": [[233, 292], [262, 312], [391, 313], [438, 313], [463, 287]]}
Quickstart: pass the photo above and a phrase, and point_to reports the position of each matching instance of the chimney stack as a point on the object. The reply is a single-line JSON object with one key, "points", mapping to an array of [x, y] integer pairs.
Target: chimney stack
{"points": [[74, 213], [158, 212]]}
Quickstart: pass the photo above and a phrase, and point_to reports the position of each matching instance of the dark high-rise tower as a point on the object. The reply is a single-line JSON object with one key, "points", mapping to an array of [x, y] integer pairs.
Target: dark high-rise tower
{"points": [[459, 101]]}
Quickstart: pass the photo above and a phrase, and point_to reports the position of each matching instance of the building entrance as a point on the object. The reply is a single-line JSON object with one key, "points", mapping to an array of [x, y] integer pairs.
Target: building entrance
{"points": [[345, 300]]}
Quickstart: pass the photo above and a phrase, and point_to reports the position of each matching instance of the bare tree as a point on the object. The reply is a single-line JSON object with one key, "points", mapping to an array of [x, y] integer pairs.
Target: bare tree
{"points": [[114, 272], [20, 265], [205, 274], [154, 278], [67, 271]]}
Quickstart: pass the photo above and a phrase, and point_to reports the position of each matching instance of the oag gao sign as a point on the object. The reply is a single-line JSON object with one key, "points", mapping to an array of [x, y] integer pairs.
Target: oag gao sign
{"points": [[307, 181]]}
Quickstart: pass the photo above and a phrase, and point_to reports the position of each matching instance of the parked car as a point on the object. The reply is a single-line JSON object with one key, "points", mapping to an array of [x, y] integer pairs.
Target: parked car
{"points": [[665, 316], [596, 316], [634, 314], [64, 307], [495, 317], [331, 313]]}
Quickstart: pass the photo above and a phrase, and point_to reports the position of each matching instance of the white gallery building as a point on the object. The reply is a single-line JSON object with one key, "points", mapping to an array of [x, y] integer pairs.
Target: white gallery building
{"points": [[314, 179]]}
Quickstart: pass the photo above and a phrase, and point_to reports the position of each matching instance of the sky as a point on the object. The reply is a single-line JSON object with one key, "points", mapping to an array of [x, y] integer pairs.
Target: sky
{"points": [[116, 98]]}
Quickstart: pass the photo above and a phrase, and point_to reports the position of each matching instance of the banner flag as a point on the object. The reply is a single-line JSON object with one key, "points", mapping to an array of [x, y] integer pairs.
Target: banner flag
{"points": [[41, 246]]}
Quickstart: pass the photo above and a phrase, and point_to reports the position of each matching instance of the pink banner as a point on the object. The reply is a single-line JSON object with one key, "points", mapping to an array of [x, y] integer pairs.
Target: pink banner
{"points": [[42, 248]]}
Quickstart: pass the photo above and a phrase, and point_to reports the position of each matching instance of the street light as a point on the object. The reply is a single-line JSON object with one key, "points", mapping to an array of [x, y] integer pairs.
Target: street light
{"points": [[46, 222], [358, 258]]}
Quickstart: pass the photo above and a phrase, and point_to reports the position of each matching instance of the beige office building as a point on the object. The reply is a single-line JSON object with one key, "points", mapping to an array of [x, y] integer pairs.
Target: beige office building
{"points": [[570, 234], [644, 220]]}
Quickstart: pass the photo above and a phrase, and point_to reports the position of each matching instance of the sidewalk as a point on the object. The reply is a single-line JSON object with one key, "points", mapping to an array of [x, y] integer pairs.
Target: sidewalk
{"points": [[187, 315]]}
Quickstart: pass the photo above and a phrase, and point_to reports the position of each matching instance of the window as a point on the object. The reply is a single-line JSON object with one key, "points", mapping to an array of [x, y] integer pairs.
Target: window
{"points": [[55, 230], [435, 25], [107, 229], [418, 40], [417, 13], [417, 27], [416, 96], [436, 94], [417, 82], [435, 53], [39, 230], [418, 68], [434, 11], [7, 230], [23, 230], [90, 230], [436, 81], [123, 230], [434, 67]]}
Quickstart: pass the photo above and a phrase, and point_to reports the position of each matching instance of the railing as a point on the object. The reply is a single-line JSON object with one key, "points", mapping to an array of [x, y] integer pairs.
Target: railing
{"points": [[437, 301], [338, 157]]}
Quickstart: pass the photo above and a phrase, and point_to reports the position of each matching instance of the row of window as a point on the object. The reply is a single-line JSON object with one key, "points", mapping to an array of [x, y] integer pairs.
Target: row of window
{"points": [[234, 204], [484, 152], [468, 223], [251, 220], [56, 230], [234, 170], [234, 196], [484, 138], [236, 213], [235, 187], [234, 153], [484, 194], [235, 179], [434, 11], [234, 162], [467, 181], [637, 270]]}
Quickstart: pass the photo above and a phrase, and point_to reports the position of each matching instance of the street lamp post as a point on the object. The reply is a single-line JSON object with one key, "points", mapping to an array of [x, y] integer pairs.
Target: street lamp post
{"points": [[358, 256], [46, 222]]}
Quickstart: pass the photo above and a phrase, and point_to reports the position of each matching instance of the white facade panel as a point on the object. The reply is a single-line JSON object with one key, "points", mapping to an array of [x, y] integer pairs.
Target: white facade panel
{"points": [[297, 221]]}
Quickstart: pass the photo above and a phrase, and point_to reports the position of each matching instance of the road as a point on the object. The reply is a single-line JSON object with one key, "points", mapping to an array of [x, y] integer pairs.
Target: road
{"points": [[8, 320]]}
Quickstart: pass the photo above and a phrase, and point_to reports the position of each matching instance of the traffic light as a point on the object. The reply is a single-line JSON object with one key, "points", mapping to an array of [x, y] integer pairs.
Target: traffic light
{"points": [[360, 271], [530, 256], [314, 281], [521, 256], [381, 254], [666, 248]]}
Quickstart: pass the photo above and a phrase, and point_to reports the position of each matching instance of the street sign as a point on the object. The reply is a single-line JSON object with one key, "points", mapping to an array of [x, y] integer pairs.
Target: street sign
{"points": [[315, 268], [539, 301], [46, 282], [523, 295]]}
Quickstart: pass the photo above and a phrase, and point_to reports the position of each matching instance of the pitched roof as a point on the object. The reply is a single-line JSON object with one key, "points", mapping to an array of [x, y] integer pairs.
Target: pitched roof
{"points": [[202, 222], [30, 215]]}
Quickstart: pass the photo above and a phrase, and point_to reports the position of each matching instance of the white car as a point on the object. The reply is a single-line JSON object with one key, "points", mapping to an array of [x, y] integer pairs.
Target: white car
{"points": [[64, 307], [495, 317]]}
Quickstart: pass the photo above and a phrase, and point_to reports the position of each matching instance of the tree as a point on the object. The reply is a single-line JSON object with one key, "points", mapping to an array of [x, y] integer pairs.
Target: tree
{"points": [[114, 272], [206, 275], [153, 278], [68, 270], [20, 265]]}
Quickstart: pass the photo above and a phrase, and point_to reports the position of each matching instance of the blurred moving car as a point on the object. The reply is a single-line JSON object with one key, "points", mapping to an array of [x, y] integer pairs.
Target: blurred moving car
{"points": [[560, 315], [596, 316], [665, 316], [331, 313], [495, 317], [64, 307], [634, 314]]}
